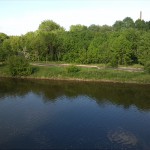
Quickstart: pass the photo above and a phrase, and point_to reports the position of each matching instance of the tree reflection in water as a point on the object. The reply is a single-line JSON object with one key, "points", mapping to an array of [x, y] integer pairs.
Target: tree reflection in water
{"points": [[125, 95]]}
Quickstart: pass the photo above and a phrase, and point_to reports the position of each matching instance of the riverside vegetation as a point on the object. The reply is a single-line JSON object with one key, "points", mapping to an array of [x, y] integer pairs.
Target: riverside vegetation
{"points": [[73, 72], [126, 43]]}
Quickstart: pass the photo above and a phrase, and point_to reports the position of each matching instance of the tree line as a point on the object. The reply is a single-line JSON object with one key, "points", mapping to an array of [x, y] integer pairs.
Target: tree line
{"points": [[124, 43]]}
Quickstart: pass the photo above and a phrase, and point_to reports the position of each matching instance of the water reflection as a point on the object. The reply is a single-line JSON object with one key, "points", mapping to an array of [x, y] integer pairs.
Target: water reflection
{"points": [[71, 115], [125, 95], [123, 137]]}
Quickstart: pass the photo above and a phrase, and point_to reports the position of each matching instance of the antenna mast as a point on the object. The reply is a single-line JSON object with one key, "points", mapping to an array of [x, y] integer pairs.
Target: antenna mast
{"points": [[140, 15]]}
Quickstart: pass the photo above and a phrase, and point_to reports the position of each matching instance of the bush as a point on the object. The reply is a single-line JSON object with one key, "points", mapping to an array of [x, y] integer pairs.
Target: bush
{"points": [[112, 64], [19, 66], [73, 69], [147, 67]]}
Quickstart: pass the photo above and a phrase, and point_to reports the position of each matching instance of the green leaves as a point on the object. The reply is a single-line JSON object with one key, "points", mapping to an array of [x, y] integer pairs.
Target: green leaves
{"points": [[147, 67], [48, 26], [126, 23], [3, 36], [19, 66], [140, 24], [73, 69], [126, 42], [77, 28], [144, 48]]}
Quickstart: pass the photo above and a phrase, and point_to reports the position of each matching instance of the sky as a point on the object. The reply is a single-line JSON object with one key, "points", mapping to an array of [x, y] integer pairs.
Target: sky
{"points": [[21, 16]]}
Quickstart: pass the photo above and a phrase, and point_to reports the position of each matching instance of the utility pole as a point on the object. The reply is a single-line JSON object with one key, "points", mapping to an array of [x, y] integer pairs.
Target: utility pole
{"points": [[140, 15]]}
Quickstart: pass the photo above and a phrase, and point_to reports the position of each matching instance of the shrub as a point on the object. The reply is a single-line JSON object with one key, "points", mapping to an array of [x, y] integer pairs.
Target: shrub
{"points": [[73, 69], [147, 67], [112, 64], [19, 66]]}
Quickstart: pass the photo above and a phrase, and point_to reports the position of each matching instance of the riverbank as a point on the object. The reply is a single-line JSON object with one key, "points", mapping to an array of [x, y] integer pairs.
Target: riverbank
{"points": [[59, 72]]}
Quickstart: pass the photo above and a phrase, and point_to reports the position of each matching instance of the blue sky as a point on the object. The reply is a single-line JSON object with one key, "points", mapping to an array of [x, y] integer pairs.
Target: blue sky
{"points": [[21, 16]]}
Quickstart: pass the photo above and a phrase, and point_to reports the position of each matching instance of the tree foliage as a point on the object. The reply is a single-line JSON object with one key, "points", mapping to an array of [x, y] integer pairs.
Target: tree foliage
{"points": [[48, 26], [19, 66], [77, 28], [73, 69], [147, 67], [126, 42]]}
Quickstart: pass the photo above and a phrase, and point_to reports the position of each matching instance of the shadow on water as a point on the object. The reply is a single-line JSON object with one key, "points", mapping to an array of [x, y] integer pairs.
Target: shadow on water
{"points": [[44, 114], [125, 95]]}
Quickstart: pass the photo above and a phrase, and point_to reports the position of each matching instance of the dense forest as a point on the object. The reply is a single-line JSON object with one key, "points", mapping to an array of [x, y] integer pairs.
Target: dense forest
{"points": [[126, 42]]}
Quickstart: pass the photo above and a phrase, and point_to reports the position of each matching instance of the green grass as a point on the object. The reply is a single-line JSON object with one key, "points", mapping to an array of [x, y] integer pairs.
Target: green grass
{"points": [[137, 66], [49, 62], [4, 71], [92, 74], [106, 74]]}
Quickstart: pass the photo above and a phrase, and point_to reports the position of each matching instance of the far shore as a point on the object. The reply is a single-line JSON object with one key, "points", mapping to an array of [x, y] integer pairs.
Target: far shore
{"points": [[76, 79], [86, 73]]}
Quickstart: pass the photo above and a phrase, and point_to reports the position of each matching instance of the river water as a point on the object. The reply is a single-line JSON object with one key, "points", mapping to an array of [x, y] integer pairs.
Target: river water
{"points": [[46, 114]]}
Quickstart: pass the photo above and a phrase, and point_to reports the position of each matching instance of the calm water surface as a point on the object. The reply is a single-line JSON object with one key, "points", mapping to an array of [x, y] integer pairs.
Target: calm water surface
{"points": [[73, 115]]}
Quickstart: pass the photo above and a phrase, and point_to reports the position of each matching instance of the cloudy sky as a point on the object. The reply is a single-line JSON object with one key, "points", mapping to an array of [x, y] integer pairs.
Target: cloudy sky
{"points": [[21, 16]]}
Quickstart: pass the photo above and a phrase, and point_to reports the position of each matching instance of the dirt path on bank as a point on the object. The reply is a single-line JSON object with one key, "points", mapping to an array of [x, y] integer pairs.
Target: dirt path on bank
{"points": [[129, 69]]}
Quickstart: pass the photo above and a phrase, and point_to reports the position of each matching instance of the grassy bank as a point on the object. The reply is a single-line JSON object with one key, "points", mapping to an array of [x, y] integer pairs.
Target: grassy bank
{"points": [[94, 74]]}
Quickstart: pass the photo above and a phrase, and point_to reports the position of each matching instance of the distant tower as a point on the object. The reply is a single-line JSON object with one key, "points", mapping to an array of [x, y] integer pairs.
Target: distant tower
{"points": [[140, 15]]}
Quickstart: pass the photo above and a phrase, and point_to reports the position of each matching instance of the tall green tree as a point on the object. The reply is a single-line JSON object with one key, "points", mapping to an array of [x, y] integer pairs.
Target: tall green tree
{"points": [[49, 25], [77, 28], [3, 53], [48, 34], [76, 46], [94, 28], [118, 25], [133, 36], [128, 22], [3, 37], [140, 24], [98, 51], [121, 49], [144, 48]]}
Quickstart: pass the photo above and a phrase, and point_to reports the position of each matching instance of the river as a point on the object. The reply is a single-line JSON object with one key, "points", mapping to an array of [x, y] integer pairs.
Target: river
{"points": [[44, 114]]}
